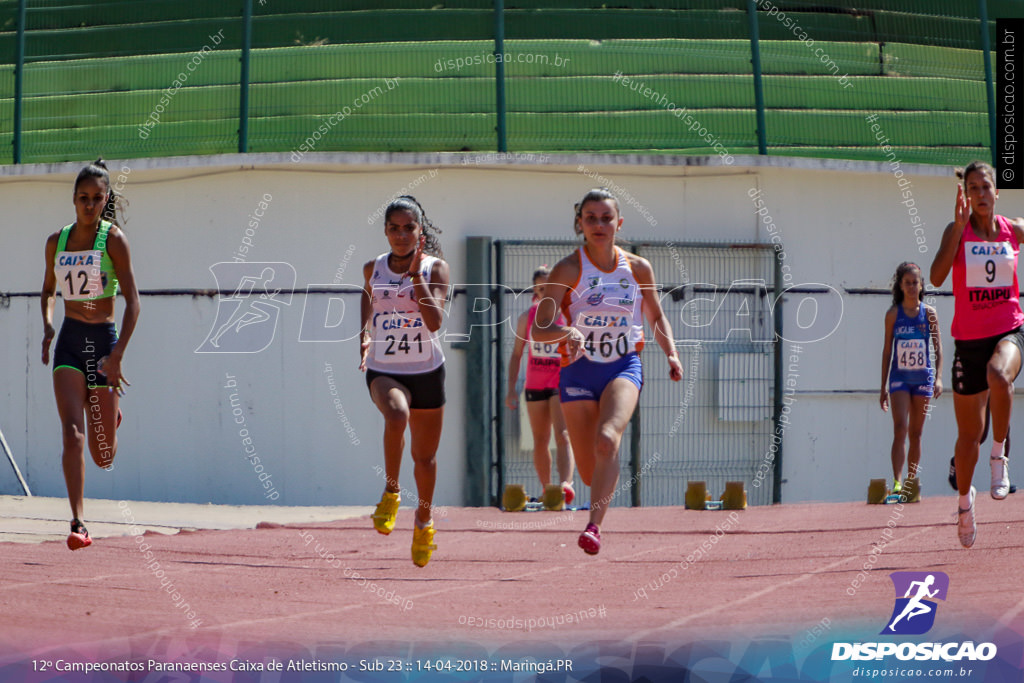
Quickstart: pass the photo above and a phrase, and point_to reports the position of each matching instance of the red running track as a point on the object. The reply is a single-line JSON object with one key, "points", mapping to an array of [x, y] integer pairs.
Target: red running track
{"points": [[664, 575]]}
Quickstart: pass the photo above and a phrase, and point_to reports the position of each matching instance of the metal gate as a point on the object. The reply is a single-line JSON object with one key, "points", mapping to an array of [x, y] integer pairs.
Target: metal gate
{"points": [[716, 424]]}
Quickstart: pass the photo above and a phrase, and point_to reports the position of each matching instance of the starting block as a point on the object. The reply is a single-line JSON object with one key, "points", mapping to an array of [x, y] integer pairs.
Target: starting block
{"points": [[514, 498], [696, 495], [713, 505], [734, 497], [912, 490], [876, 492], [553, 498]]}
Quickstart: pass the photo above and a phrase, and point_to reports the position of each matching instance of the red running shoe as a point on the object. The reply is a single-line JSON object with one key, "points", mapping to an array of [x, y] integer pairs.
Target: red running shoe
{"points": [[79, 536], [568, 493], [590, 540]]}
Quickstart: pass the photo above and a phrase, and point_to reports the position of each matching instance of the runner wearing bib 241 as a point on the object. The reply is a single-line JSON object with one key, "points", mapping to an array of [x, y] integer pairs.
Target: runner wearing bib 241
{"points": [[602, 290], [981, 249], [402, 308]]}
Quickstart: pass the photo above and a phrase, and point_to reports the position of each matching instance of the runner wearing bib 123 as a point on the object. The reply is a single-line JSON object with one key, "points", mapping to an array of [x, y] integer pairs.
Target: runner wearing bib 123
{"points": [[606, 308]]}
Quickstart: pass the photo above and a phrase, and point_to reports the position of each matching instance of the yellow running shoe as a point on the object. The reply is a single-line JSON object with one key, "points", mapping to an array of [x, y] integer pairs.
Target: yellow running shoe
{"points": [[423, 544], [387, 510]]}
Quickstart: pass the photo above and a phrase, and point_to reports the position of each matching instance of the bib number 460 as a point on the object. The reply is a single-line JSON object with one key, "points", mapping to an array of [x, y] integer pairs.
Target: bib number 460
{"points": [[607, 345]]}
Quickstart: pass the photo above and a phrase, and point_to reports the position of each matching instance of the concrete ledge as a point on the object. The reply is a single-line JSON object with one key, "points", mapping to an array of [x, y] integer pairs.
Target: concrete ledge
{"points": [[36, 519], [670, 164]]}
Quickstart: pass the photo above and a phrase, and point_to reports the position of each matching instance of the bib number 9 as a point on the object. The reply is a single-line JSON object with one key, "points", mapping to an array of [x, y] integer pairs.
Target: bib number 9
{"points": [[989, 264]]}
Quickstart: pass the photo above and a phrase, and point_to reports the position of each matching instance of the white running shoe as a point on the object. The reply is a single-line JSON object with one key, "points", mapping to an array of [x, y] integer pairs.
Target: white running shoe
{"points": [[1000, 476], [965, 526]]}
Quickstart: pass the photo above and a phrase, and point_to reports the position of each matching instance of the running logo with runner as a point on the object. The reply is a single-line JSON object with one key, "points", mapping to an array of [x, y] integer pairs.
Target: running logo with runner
{"points": [[247, 318], [914, 612]]}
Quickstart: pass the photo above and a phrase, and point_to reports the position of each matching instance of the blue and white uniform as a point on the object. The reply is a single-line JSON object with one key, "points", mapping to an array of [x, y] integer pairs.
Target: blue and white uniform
{"points": [[606, 308], [911, 366]]}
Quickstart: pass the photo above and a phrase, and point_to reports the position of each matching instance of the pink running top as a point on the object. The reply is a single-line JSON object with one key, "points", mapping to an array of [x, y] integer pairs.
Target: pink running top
{"points": [[543, 360], [985, 292]]}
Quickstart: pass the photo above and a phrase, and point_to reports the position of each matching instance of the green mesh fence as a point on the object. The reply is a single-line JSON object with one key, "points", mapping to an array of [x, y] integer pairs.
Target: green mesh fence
{"points": [[138, 78]]}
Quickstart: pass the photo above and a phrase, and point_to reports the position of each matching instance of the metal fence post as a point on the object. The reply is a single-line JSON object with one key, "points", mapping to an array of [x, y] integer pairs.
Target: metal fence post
{"points": [[499, 72], [989, 84], [19, 80], [243, 99], [755, 54]]}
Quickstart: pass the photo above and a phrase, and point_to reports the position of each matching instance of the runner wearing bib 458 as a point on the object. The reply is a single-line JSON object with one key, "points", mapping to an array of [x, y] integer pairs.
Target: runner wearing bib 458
{"points": [[981, 248], [602, 291], [908, 377]]}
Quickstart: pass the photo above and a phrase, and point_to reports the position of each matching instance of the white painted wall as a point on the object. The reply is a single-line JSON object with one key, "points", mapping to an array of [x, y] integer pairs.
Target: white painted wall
{"points": [[842, 223]]}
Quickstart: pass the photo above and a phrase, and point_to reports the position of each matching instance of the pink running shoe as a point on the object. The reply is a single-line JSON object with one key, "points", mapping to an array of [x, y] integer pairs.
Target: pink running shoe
{"points": [[590, 540], [79, 537]]}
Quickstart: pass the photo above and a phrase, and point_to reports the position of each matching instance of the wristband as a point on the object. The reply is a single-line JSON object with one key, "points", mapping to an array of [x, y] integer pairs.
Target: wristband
{"points": [[416, 274]]}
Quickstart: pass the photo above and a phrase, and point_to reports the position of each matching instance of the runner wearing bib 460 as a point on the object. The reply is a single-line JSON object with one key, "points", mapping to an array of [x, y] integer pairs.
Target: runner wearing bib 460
{"points": [[606, 308], [606, 296]]}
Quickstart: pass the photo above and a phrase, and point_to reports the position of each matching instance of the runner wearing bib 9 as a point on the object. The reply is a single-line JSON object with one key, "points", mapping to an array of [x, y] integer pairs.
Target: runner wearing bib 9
{"points": [[604, 294], [88, 260], [981, 248], [402, 308], [908, 378], [543, 406]]}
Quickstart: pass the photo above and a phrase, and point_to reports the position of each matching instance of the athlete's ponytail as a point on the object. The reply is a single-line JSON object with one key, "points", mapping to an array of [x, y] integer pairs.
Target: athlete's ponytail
{"points": [[409, 203], [979, 167], [115, 202]]}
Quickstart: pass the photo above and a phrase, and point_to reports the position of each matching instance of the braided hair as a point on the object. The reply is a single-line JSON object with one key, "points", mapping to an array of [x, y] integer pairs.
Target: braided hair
{"points": [[897, 280], [115, 202], [409, 203]]}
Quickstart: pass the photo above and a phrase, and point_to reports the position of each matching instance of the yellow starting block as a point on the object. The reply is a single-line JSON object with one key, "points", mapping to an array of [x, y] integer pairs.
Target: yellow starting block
{"points": [[734, 497], [553, 498], [514, 498], [877, 492], [696, 495], [911, 490]]}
